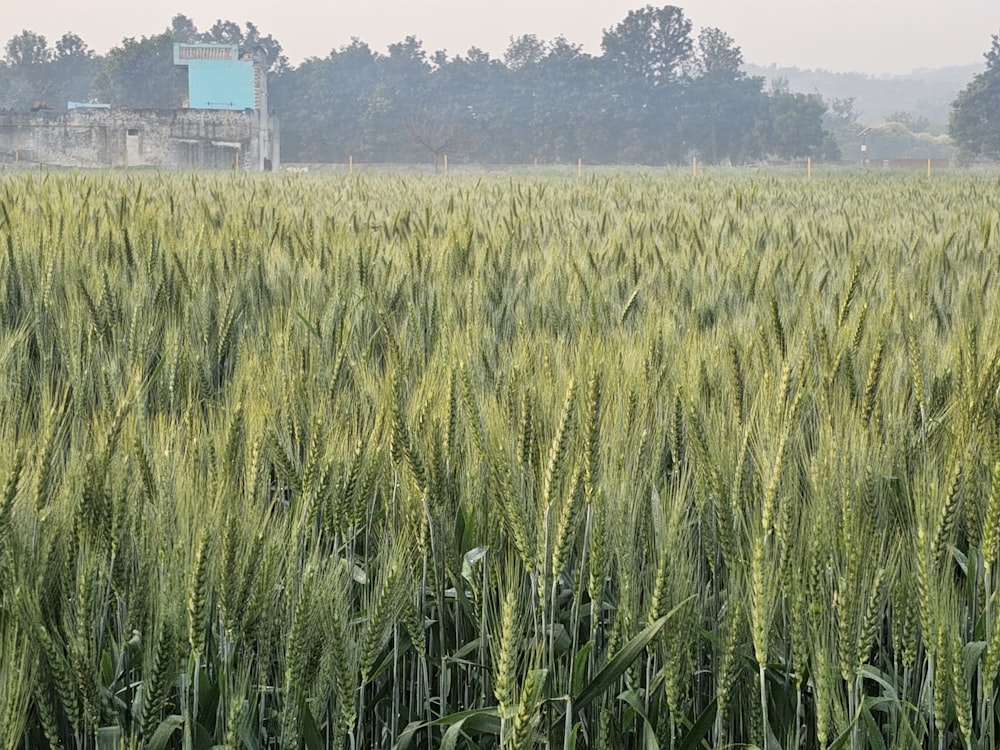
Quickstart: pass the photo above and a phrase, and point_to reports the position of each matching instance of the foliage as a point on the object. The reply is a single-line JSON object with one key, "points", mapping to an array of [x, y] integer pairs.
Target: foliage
{"points": [[523, 51], [27, 48], [655, 96], [975, 114], [894, 140], [842, 111], [911, 121], [141, 73], [37, 75], [928, 92], [794, 127], [651, 45], [722, 105]]}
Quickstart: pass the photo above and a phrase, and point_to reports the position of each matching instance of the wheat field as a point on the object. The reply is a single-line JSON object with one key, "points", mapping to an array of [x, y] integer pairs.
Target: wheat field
{"points": [[632, 460]]}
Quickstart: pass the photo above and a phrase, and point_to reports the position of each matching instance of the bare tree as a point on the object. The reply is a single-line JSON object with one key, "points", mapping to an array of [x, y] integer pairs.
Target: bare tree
{"points": [[443, 132]]}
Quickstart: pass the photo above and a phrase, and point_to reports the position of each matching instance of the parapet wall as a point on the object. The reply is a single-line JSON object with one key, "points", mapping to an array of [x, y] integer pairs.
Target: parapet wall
{"points": [[164, 138]]}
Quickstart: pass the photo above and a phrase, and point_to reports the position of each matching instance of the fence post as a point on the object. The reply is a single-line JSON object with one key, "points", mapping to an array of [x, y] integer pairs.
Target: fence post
{"points": [[446, 163], [809, 167], [579, 167], [350, 164], [694, 166]]}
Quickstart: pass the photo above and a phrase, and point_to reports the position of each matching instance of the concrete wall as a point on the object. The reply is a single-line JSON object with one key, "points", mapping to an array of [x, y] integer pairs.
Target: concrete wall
{"points": [[170, 139]]}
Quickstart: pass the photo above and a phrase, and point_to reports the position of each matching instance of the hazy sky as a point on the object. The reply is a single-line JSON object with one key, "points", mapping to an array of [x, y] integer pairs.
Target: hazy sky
{"points": [[871, 36]]}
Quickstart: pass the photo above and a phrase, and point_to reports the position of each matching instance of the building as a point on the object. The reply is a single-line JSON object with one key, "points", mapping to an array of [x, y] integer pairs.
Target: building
{"points": [[226, 124]]}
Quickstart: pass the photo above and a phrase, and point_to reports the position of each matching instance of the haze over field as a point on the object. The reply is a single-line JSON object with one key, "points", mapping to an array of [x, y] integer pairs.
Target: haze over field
{"points": [[876, 37]]}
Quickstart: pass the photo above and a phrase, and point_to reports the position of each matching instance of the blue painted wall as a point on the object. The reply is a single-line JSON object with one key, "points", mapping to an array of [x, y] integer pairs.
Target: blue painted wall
{"points": [[220, 84]]}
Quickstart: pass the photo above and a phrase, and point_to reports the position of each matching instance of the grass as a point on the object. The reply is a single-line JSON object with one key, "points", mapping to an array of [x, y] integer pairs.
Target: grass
{"points": [[622, 461]]}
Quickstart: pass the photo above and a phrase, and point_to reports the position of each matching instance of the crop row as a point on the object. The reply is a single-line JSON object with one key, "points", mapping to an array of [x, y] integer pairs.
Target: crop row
{"points": [[622, 461]]}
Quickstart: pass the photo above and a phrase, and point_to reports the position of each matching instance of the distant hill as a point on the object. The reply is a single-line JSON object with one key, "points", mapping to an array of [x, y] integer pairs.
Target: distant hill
{"points": [[926, 93]]}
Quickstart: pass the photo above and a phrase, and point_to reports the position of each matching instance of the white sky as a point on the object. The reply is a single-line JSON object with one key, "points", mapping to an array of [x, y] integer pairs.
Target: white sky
{"points": [[870, 36]]}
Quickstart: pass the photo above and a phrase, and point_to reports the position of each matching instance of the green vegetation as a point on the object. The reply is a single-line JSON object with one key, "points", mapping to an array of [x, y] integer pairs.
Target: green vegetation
{"points": [[973, 123], [658, 94], [618, 461]]}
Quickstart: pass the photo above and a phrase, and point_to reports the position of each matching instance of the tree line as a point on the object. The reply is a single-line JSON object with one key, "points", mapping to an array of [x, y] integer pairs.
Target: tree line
{"points": [[657, 94], [975, 113]]}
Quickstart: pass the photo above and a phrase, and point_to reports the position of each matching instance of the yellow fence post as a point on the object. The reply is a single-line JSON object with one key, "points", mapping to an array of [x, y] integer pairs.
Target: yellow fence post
{"points": [[928, 167], [579, 167], [809, 167], [350, 164], [694, 166], [446, 163]]}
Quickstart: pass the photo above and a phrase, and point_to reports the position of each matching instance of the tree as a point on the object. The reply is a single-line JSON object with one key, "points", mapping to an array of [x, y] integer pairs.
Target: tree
{"points": [[340, 106], [37, 74], [183, 30], [652, 44], [477, 56], [224, 32], [722, 103], [249, 40], [483, 94], [893, 140], [28, 82], [975, 114], [792, 128], [648, 58], [523, 51], [71, 69], [992, 55], [911, 121], [569, 115], [442, 132], [15, 92], [72, 47], [27, 48], [141, 73], [267, 48], [842, 111], [718, 55], [407, 56]]}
